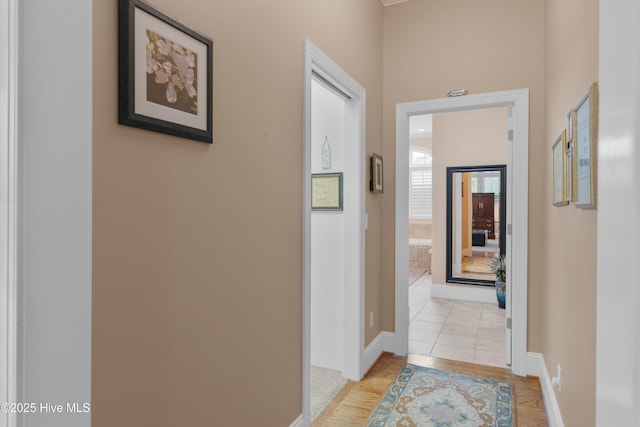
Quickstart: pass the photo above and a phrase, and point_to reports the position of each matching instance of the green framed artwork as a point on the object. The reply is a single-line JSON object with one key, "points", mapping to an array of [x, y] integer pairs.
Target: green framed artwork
{"points": [[326, 192]]}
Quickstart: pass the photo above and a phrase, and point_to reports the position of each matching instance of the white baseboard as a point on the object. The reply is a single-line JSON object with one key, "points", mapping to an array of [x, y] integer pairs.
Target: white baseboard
{"points": [[299, 422], [536, 366], [388, 341], [385, 341], [484, 294], [371, 353]]}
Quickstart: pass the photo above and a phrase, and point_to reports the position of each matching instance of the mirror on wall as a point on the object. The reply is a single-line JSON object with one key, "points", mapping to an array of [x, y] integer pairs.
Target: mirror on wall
{"points": [[476, 222]]}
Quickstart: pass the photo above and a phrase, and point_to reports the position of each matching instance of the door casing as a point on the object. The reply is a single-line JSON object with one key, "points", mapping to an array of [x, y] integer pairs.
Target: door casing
{"points": [[517, 104], [318, 64]]}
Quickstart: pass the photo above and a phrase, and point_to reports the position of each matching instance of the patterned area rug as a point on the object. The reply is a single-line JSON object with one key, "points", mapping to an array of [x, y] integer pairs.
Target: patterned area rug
{"points": [[479, 265], [427, 397]]}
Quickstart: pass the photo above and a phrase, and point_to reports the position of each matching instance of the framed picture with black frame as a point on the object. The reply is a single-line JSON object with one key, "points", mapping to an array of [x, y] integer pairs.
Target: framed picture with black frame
{"points": [[164, 73]]}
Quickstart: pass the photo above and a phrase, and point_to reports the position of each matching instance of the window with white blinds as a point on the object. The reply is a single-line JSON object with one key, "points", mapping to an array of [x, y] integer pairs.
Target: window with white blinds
{"points": [[486, 182], [421, 185], [491, 183]]}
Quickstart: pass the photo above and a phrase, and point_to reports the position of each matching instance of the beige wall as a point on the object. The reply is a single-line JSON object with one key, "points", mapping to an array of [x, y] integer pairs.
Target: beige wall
{"points": [[467, 138], [568, 288], [551, 48], [434, 46], [197, 306], [197, 253]]}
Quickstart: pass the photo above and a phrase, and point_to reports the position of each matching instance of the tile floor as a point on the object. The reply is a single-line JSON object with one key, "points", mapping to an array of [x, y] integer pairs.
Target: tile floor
{"points": [[458, 330]]}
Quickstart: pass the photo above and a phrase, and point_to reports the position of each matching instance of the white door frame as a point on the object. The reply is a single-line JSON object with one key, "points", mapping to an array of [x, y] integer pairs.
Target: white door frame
{"points": [[319, 64], [8, 204], [517, 210], [618, 274], [45, 211]]}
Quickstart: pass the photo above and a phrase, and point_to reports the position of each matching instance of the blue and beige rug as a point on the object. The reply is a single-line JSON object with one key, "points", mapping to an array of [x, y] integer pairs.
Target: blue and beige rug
{"points": [[427, 397]]}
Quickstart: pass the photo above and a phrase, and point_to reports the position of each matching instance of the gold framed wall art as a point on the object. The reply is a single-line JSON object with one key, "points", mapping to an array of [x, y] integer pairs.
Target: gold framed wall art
{"points": [[585, 141], [559, 167]]}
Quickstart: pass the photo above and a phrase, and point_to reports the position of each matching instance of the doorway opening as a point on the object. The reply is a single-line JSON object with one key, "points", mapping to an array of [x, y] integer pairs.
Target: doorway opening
{"points": [[454, 216], [516, 103], [328, 257], [333, 219]]}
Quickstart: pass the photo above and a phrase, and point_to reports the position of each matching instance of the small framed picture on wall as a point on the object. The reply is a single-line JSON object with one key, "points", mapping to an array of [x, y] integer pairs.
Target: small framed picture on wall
{"points": [[569, 176], [585, 137], [165, 73], [559, 186], [326, 192], [376, 181]]}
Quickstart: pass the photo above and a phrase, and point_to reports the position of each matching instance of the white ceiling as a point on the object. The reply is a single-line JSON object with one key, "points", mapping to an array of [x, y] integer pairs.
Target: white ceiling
{"points": [[390, 2]]}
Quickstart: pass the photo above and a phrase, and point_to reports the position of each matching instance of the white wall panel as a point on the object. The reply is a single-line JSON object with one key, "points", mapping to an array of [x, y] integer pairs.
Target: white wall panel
{"points": [[55, 115], [618, 310]]}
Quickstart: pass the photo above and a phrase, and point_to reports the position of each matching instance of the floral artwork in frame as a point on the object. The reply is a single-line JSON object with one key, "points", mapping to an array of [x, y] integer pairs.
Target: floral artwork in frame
{"points": [[165, 74]]}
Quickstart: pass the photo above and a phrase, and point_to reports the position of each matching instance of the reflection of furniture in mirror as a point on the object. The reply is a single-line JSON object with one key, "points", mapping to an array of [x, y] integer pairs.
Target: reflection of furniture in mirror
{"points": [[479, 237], [483, 216], [475, 234]]}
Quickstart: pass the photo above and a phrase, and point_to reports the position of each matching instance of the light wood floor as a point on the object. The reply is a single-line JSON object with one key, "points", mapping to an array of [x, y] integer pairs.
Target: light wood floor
{"points": [[357, 400]]}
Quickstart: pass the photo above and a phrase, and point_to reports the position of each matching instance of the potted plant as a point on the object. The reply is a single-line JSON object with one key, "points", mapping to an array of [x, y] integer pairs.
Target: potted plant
{"points": [[499, 268]]}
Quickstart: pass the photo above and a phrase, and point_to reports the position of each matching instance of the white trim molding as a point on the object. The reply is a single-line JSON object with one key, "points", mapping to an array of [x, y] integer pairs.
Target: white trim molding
{"points": [[388, 341], [318, 64], [385, 341], [618, 272], [8, 205], [517, 102], [54, 221], [537, 367], [298, 422], [373, 351], [484, 294]]}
